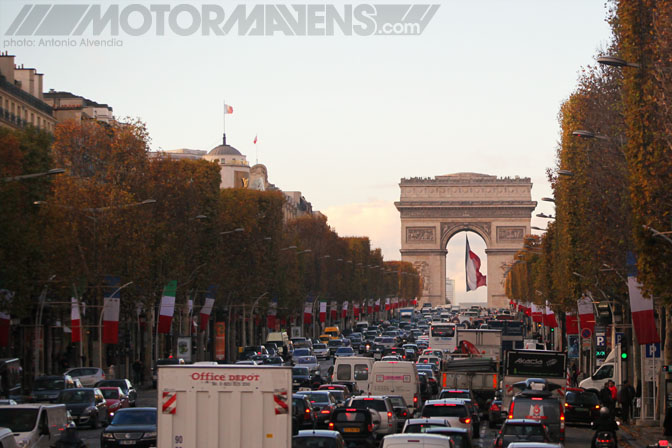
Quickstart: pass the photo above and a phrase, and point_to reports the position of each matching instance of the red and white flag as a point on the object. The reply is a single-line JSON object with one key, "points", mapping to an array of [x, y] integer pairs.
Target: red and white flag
{"points": [[308, 312], [355, 309], [111, 319], [387, 304], [586, 312], [549, 317], [414, 302], [272, 313], [167, 308], [323, 311], [344, 310], [537, 315], [255, 140], [334, 310], [75, 321], [206, 311], [643, 318], [473, 267], [369, 307], [376, 306], [228, 109]]}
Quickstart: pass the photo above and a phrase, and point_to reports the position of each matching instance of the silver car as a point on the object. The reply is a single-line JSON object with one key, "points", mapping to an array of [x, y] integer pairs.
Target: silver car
{"points": [[321, 351], [383, 406], [308, 361], [454, 410]]}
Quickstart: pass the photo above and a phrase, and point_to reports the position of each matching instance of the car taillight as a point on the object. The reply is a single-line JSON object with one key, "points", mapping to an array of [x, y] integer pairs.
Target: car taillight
{"points": [[331, 425], [415, 399], [465, 420], [370, 427], [389, 415], [494, 407], [307, 411], [499, 443], [597, 406], [405, 414], [325, 411]]}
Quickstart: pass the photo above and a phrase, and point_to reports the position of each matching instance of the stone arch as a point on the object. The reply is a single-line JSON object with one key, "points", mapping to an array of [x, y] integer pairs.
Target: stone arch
{"points": [[433, 210]]}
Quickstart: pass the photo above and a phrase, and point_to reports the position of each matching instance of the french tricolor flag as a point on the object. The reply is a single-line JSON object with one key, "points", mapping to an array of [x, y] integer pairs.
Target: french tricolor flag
{"points": [[167, 308], [344, 311], [473, 267], [111, 311], [641, 307], [586, 312], [75, 321], [323, 311]]}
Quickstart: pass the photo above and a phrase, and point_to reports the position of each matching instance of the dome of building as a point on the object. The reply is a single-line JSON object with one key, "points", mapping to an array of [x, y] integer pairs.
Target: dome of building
{"points": [[224, 150]]}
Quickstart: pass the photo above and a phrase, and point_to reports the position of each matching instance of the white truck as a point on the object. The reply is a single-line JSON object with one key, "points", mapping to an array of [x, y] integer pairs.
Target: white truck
{"points": [[476, 374], [488, 342], [609, 370], [546, 365], [226, 405]]}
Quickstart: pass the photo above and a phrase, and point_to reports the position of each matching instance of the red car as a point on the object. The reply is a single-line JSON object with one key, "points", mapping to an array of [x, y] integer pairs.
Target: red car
{"points": [[115, 400]]}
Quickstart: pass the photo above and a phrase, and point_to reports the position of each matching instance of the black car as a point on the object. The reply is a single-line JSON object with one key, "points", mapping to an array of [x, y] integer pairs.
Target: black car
{"points": [[334, 345], [47, 388], [304, 416], [496, 414], [355, 425], [540, 406], [401, 409], [323, 404], [86, 405], [581, 406], [125, 386], [136, 427], [522, 430], [300, 378]]}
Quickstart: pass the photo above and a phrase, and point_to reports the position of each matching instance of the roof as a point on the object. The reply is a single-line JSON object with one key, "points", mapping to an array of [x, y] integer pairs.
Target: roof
{"points": [[522, 421], [224, 149], [318, 433]]}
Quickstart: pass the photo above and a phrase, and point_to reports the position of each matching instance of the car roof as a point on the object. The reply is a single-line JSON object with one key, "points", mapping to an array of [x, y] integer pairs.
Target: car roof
{"points": [[137, 409], [450, 429], [534, 445], [446, 401], [522, 421], [438, 420], [416, 436], [450, 389], [319, 433]]}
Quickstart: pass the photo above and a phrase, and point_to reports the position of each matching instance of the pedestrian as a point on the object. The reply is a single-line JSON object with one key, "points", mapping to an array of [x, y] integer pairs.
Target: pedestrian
{"points": [[575, 375], [605, 397], [137, 366], [626, 396], [110, 372], [614, 396]]}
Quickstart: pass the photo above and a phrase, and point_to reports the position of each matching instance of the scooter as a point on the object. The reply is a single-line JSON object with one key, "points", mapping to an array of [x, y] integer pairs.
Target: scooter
{"points": [[605, 439]]}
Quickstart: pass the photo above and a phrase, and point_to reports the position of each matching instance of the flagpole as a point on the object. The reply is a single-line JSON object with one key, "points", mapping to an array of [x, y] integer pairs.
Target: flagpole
{"points": [[224, 117]]}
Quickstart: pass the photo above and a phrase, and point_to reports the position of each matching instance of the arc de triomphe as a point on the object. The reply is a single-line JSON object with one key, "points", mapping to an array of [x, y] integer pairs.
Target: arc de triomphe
{"points": [[434, 210]]}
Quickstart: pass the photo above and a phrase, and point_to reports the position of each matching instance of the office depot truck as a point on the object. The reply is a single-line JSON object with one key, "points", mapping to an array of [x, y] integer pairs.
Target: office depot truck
{"points": [[234, 406]]}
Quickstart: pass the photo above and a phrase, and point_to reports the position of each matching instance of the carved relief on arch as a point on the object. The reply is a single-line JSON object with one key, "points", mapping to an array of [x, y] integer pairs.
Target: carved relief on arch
{"points": [[448, 229], [423, 269]]}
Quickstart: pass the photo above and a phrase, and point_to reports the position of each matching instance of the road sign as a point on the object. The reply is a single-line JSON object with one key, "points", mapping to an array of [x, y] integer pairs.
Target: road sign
{"points": [[653, 350], [586, 333], [600, 340], [619, 338]]}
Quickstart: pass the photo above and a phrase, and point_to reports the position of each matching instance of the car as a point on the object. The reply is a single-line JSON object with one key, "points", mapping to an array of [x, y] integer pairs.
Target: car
{"points": [[7, 402], [308, 361], [302, 351], [47, 388], [432, 352], [321, 351], [87, 406], [430, 359], [536, 445], [344, 352], [581, 406], [300, 378], [431, 367], [89, 376], [115, 399], [125, 386], [131, 424], [542, 406], [344, 394], [456, 411], [321, 438], [304, 416], [383, 406], [418, 425], [356, 425], [391, 358], [496, 413], [274, 361], [323, 404], [521, 430], [7, 439], [459, 435], [334, 344], [417, 440], [252, 350], [400, 409]]}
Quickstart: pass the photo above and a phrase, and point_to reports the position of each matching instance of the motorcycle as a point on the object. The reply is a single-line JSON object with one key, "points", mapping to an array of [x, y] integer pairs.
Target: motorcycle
{"points": [[605, 439]]}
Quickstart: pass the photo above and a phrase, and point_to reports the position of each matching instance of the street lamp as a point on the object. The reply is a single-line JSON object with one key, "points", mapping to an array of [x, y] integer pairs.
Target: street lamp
{"points": [[238, 229], [565, 173], [537, 228], [33, 175], [548, 199], [541, 215], [581, 133], [616, 62], [657, 233]]}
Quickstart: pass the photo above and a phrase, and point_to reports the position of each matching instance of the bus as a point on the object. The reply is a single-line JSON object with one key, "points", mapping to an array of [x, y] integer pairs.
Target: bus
{"points": [[442, 336]]}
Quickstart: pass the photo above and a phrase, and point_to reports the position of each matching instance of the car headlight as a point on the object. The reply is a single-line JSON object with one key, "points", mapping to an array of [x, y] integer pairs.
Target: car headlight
{"points": [[149, 435], [108, 435]]}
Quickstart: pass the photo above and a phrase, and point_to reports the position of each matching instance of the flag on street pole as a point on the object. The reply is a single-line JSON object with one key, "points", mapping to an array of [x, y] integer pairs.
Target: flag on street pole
{"points": [[641, 308], [167, 307], [537, 315], [376, 306], [473, 265], [586, 312], [75, 321], [549, 317], [323, 311], [111, 311], [387, 304], [272, 313], [334, 310], [308, 311], [228, 109], [344, 310]]}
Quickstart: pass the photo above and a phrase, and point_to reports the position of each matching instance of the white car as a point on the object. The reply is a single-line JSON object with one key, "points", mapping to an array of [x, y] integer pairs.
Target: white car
{"points": [[308, 361], [452, 409], [89, 376], [321, 351]]}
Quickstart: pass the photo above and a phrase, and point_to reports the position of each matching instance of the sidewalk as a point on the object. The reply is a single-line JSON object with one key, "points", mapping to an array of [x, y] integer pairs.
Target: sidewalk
{"points": [[641, 436]]}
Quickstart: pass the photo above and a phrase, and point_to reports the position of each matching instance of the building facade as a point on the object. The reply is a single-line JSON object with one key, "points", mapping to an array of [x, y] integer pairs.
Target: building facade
{"points": [[450, 291], [68, 106], [21, 99]]}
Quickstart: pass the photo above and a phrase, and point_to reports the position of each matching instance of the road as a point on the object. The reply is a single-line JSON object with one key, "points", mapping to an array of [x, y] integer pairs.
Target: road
{"points": [[576, 436]]}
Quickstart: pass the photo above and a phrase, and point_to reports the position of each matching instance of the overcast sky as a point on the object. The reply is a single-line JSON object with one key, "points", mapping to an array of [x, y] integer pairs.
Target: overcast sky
{"points": [[344, 118]]}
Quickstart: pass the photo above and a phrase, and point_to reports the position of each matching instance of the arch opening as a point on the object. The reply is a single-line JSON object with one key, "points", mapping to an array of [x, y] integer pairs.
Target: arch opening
{"points": [[456, 284]]}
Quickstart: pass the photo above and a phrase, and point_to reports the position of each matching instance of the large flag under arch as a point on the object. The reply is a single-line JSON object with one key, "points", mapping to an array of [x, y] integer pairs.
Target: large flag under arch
{"points": [[473, 267]]}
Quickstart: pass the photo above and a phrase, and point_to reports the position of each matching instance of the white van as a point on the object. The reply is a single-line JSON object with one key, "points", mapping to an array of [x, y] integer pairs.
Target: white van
{"points": [[7, 439], [34, 425], [417, 441], [282, 341], [396, 378], [355, 369]]}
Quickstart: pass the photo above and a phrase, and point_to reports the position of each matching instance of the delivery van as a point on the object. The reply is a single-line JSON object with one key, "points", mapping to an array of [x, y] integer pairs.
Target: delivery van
{"points": [[333, 332], [355, 369], [282, 341], [396, 378], [228, 405], [34, 425]]}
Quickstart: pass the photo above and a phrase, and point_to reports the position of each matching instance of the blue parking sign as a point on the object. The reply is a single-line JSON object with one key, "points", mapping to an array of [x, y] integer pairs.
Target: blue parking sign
{"points": [[619, 338], [653, 350]]}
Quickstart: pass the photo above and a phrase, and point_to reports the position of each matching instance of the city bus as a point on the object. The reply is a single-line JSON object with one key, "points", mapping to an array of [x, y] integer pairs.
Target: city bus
{"points": [[442, 336]]}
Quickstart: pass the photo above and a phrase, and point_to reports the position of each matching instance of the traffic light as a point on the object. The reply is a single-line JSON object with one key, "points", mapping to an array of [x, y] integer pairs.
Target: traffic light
{"points": [[552, 329], [600, 354], [624, 350]]}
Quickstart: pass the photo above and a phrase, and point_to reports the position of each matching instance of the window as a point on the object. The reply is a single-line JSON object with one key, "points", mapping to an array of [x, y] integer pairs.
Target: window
{"points": [[343, 372], [606, 371], [351, 417], [443, 332], [444, 411], [361, 372]]}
